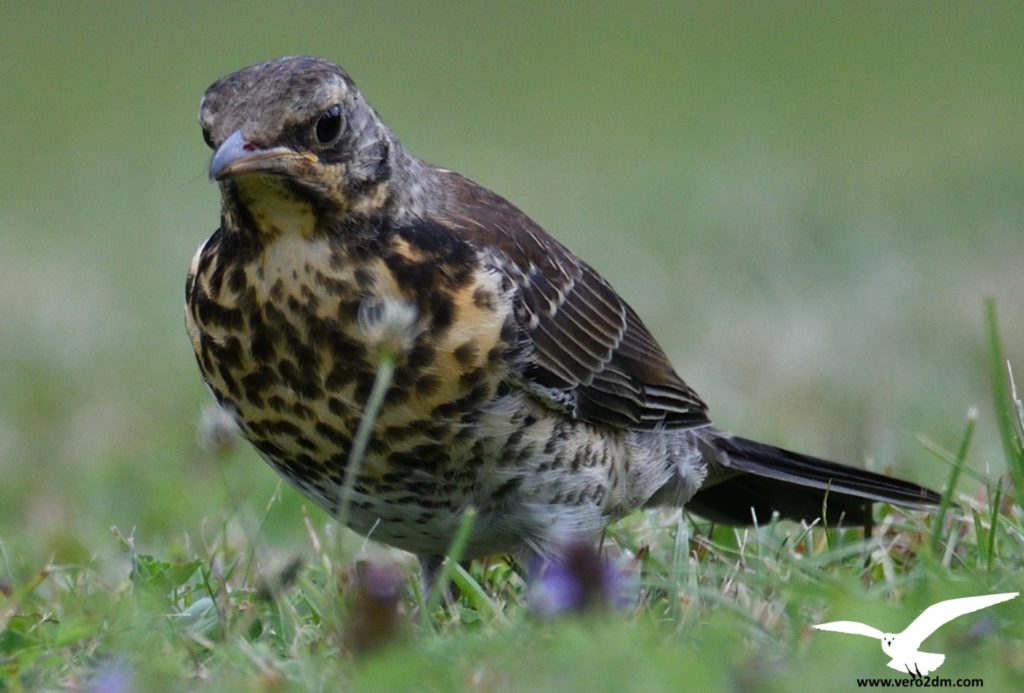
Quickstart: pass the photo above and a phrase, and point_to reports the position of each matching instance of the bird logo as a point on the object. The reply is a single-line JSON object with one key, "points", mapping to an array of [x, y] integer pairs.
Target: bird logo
{"points": [[902, 647]]}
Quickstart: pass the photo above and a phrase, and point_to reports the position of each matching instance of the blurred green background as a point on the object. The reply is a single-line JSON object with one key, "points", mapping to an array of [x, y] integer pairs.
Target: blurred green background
{"points": [[807, 203]]}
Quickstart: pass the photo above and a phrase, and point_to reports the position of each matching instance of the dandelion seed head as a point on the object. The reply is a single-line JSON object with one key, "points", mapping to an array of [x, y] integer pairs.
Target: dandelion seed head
{"points": [[217, 431], [389, 324]]}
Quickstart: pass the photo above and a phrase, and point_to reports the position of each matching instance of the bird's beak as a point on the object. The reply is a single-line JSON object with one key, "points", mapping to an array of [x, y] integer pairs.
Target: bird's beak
{"points": [[235, 156]]}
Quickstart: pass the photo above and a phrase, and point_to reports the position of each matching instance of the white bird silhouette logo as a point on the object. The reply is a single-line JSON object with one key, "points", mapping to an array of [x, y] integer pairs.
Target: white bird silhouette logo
{"points": [[902, 647]]}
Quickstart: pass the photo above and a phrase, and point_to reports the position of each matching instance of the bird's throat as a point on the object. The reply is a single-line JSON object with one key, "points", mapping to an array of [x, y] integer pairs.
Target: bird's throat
{"points": [[273, 207]]}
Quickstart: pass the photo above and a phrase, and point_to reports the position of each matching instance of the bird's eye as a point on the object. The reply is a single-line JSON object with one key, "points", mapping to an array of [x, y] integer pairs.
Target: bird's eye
{"points": [[328, 127], [208, 139]]}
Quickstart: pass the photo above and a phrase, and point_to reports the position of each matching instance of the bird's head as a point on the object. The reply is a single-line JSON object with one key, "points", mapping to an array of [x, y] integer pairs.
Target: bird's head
{"points": [[294, 143], [887, 641]]}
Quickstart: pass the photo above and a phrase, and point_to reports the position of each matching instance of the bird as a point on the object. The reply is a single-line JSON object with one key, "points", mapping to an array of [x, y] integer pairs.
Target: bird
{"points": [[902, 647], [522, 385]]}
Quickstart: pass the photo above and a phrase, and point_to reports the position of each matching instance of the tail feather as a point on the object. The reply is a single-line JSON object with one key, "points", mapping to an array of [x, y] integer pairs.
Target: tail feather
{"points": [[795, 485]]}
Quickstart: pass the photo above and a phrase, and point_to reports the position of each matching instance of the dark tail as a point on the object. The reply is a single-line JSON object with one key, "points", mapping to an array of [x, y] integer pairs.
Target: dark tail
{"points": [[798, 487]]}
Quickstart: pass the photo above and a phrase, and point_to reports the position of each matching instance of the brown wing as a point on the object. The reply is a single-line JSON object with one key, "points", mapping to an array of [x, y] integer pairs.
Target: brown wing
{"points": [[592, 354]]}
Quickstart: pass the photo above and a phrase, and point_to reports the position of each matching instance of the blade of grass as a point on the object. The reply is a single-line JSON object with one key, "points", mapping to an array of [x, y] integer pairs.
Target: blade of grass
{"points": [[1018, 404], [680, 555], [993, 522], [476, 595], [381, 383], [980, 536], [954, 477], [1009, 424], [455, 553]]}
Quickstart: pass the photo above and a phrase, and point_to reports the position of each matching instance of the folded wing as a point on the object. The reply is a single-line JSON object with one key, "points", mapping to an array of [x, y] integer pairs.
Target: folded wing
{"points": [[591, 354]]}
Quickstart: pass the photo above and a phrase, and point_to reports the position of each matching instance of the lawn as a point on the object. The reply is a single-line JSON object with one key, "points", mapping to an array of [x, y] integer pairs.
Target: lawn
{"points": [[808, 203]]}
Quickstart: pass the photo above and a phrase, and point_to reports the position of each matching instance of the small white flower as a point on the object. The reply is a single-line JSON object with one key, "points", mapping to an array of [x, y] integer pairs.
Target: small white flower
{"points": [[389, 324], [217, 429]]}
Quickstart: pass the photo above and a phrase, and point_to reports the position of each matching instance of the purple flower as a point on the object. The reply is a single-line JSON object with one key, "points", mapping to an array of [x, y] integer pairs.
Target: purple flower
{"points": [[375, 617], [112, 677], [578, 580]]}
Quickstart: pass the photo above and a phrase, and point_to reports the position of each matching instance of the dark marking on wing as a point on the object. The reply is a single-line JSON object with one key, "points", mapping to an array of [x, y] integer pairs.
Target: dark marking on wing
{"points": [[591, 352]]}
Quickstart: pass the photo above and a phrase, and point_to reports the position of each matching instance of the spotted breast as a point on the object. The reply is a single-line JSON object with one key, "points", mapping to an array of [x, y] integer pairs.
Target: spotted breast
{"points": [[288, 336]]}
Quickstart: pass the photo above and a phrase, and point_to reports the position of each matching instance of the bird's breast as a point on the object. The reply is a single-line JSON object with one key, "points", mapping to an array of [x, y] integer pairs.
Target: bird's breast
{"points": [[290, 339]]}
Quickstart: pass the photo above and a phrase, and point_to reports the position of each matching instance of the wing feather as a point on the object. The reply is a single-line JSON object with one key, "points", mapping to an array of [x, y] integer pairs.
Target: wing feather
{"points": [[590, 350]]}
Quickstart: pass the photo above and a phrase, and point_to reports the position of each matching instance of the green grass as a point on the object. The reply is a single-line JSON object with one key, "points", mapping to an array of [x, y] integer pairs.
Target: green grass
{"points": [[728, 607], [806, 202]]}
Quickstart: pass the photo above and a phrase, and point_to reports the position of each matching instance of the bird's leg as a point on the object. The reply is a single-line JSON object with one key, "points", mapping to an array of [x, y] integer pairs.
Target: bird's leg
{"points": [[430, 573]]}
